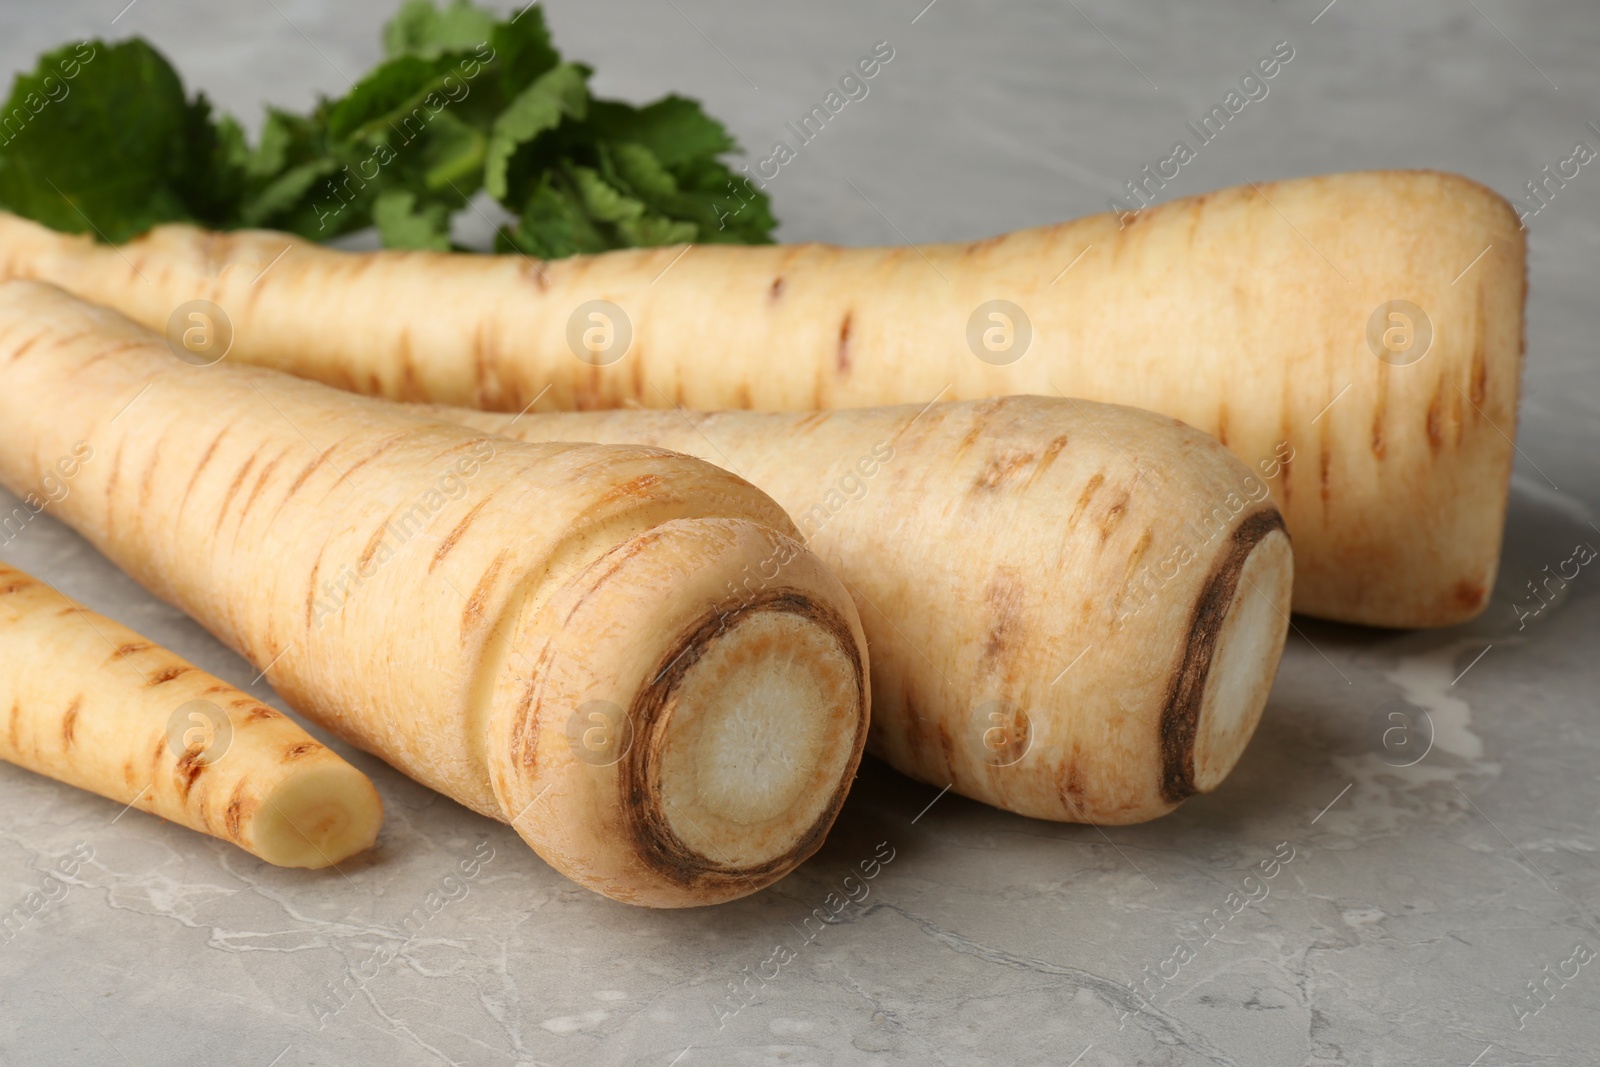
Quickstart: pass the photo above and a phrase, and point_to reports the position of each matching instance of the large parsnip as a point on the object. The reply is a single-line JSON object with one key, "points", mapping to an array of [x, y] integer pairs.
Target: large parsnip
{"points": [[1075, 609], [1369, 323], [542, 632]]}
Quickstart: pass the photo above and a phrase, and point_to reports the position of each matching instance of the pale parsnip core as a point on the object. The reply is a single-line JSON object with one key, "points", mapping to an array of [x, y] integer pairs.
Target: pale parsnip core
{"points": [[1251, 638], [739, 761]]}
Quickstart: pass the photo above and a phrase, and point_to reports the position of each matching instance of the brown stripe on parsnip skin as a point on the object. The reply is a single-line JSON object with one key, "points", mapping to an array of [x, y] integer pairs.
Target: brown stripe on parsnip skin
{"points": [[410, 388], [638, 486], [635, 374], [462, 446], [1001, 468], [69, 721], [384, 446], [261, 482], [306, 472], [947, 747], [1434, 422], [167, 674], [1090, 488], [233, 490], [1051, 451], [147, 478], [71, 339], [311, 592], [654, 841], [472, 614], [1180, 714], [190, 766], [22, 349], [377, 538], [812, 421], [977, 248], [535, 270], [1137, 556], [238, 807], [107, 353], [1380, 413], [454, 536], [1005, 596], [1113, 515], [112, 481], [205, 459], [971, 437]]}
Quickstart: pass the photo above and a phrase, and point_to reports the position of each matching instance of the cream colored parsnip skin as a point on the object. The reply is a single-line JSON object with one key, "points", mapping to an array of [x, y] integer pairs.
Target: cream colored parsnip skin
{"points": [[470, 609], [91, 703], [1075, 609], [1246, 313]]}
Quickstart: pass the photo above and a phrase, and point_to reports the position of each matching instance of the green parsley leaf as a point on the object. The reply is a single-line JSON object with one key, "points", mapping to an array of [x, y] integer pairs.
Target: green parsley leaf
{"points": [[420, 29], [561, 92], [553, 223], [100, 137], [404, 224], [522, 51], [465, 101], [674, 128]]}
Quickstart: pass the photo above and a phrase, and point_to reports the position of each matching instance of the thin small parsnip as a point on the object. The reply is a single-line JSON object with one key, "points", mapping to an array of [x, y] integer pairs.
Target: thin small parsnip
{"points": [[89, 702]]}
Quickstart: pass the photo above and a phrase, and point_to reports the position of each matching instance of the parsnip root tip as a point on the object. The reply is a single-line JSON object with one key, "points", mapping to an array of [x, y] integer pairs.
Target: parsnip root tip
{"points": [[318, 818]]}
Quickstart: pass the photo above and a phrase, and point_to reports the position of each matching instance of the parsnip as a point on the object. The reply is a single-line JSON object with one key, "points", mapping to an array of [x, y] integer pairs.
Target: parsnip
{"points": [[1075, 609], [91, 703], [1256, 314], [471, 610]]}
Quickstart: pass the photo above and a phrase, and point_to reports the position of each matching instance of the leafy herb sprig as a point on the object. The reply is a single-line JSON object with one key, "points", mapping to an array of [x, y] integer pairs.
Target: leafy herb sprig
{"points": [[103, 138]]}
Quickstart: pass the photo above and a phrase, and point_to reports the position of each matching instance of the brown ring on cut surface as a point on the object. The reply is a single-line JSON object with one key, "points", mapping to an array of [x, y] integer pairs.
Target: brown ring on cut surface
{"points": [[655, 842], [1180, 714]]}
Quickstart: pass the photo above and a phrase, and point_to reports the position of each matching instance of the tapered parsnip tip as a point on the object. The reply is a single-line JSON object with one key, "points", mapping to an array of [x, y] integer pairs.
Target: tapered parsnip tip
{"points": [[1243, 611], [317, 817]]}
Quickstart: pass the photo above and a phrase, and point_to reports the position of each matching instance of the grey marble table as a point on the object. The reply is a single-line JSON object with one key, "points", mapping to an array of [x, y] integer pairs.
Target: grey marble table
{"points": [[1411, 905]]}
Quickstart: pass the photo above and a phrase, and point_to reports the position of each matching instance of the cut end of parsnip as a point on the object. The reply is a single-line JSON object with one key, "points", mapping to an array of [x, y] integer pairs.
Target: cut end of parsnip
{"points": [[1243, 616], [689, 731], [317, 818], [754, 741]]}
